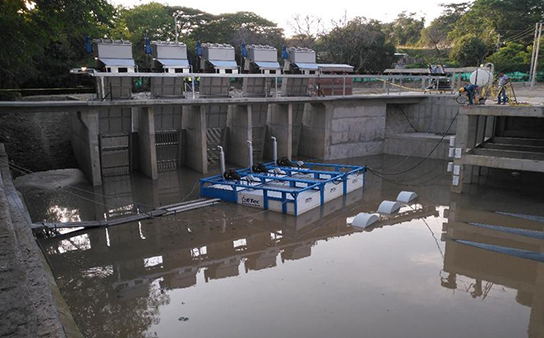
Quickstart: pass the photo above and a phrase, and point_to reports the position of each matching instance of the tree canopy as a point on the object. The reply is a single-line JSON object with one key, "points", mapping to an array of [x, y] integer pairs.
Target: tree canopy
{"points": [[360, 43], [45, 38]]}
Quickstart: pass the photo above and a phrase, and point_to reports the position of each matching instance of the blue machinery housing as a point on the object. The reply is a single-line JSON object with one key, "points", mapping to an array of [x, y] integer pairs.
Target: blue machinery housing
{"points": [[290, 190]]}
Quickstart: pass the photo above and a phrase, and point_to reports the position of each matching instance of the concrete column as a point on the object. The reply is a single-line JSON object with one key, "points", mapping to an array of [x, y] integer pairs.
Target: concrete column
{"points": [[240, 131], [490, 127], [314, 138], [259, 113], [196, 146], [466, 137], [280, 125], [146, 141], [481, 129], [298, 115], [85, 144]]}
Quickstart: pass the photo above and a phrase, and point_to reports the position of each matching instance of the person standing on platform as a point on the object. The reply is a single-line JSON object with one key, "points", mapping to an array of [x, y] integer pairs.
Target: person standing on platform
{"points": [[503, 81]]}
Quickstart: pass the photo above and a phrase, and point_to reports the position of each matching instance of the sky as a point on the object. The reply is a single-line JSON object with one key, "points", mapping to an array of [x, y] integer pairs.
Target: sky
{"points": [[281, 12]]}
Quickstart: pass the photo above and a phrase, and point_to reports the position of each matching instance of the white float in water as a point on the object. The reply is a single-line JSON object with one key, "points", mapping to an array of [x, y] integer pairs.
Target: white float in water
{"points": [[364, 220], [406, 196], [388, 207]]}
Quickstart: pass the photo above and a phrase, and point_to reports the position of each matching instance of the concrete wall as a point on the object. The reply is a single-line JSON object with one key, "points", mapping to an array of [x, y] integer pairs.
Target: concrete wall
{"points": [[432, 115], [84, 136], [38, 141], [415, 129], [30, 303], [356, 129], [343, 129], [417, 145]]}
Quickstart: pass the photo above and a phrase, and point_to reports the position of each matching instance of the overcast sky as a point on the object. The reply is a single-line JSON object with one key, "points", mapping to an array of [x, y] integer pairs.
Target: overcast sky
{"points": [[282, 11]]}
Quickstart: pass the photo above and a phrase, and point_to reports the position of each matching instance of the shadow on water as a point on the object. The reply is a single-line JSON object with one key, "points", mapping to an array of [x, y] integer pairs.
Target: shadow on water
{"points": [[232, 271]]}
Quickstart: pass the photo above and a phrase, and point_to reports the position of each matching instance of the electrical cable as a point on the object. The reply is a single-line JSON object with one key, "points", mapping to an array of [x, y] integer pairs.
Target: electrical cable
{"points": [[424, 159], [523, 32]]}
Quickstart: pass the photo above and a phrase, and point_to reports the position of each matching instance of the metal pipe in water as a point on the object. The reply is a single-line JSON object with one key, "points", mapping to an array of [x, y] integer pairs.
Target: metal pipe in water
{"points": [[221, 160], [274, 150], [250, 153]]}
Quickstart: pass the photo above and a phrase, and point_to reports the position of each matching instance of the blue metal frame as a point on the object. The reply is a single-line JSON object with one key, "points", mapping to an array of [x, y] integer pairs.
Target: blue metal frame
{"points": [[316, 183]]}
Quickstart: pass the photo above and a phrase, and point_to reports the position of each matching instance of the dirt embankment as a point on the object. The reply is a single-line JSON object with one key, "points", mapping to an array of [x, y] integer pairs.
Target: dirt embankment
{"points": [[38, 141]]}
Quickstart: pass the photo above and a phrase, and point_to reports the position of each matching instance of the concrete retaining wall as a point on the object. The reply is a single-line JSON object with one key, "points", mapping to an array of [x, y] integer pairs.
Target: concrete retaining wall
{"points": [[343, 129], [418, 145], [30, 303], [415, 129], [432, 115]]}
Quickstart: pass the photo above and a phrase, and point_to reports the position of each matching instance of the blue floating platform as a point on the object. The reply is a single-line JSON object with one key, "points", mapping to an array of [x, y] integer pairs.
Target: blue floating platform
{"points": [[289, 190]]}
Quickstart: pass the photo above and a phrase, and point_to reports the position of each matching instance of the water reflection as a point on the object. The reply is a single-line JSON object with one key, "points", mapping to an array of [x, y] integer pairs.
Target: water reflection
{"points": [[314, 274], [489, 269]]}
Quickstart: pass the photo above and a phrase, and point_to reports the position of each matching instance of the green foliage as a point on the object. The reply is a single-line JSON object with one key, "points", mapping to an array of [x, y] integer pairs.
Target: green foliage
{"points": [[156, 21], [436, 34], [235, 28], [360, 43], [19, 43], [469, 51], [43, 39], [64, 25], [405, 30], [487, 18], [511, 58]]}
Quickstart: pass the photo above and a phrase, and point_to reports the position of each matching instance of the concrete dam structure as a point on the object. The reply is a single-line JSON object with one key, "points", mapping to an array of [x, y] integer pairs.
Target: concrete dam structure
{"points": [[120, 136]]}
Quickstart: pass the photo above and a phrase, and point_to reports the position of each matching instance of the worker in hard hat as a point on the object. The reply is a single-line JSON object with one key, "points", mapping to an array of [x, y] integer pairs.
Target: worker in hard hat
{"points": [[470, 90], [503, 81]]}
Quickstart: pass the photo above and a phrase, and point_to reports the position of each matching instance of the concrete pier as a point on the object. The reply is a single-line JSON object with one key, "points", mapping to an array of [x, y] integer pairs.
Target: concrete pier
{"points": [[146, 141], [280, 126], [240, 131], [84, 131], [196, 159]]}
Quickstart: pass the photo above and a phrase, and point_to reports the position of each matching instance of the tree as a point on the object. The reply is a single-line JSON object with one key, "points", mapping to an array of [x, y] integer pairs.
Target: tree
{"points": [[45, 38], [235, 28], [153, 20], [485, 19], [307, 29], [405, 30], [469, 51], [360, 43], [19, 43], [436, 34]]}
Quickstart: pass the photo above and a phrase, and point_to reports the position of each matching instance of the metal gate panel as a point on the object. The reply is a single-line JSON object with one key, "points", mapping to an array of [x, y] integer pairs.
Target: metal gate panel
{"points": [[168, 149], [214, 137], [115, 154]]}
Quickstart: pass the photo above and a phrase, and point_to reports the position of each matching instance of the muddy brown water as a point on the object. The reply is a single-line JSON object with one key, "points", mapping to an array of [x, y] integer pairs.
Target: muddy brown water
{"points": [[231, 271]]}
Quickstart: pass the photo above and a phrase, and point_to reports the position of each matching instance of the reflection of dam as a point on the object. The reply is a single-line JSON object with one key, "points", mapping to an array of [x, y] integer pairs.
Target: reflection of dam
{"points": [[133, 256], [487, 267]]}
